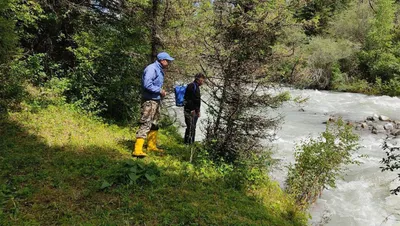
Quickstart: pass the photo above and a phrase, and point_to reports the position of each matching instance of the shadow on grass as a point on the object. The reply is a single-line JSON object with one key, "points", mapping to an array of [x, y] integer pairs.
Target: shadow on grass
{"points": [[61, 185]]}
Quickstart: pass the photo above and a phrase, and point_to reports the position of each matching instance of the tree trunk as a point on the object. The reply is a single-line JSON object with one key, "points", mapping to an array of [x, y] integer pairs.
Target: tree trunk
{"points": [[154, 33]]}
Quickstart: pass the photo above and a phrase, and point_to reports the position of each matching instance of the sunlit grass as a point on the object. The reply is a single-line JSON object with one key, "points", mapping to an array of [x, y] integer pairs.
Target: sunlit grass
{"points": [[54, 162]]}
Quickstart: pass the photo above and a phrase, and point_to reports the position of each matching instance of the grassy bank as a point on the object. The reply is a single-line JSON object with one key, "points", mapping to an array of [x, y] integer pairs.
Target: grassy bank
{"points": [[61, 167]]}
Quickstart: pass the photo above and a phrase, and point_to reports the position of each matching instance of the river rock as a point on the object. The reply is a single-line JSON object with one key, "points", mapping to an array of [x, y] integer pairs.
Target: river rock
{"points": [[394, 142], [388, 126], [370, 123], [384, 118], [397, 123], [396, 133], [364, 125], [378, 129], [375, 117]]}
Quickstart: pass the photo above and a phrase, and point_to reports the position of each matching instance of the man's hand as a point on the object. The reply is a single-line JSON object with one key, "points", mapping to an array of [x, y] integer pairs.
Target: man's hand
{"points": [[163, 93], [194, 113]]}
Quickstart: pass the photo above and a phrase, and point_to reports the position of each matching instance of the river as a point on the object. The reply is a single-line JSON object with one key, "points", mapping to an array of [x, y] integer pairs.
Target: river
{"points": [[362, 196]]}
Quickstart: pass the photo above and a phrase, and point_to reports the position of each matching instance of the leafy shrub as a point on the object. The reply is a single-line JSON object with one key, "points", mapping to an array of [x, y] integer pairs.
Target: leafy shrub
{"points": [[353, 23], [106, 80], [391, 161], [8, 38], [391, 87], [243, 174], [320, 161], [248, 174], [379, 58], [323, 56], [358, 86], [133, 173], [10, 85]]}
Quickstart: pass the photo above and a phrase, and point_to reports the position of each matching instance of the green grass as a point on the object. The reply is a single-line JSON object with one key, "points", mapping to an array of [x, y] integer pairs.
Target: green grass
{"points": [[53, 163]]}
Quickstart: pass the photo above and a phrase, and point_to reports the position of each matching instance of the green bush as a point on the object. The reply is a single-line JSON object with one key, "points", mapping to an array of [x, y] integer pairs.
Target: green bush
{"points": [[10, 84], [391, 161], [106, 80], [391, 87], [320, 161], [132, 173], [323, 57], [379, 58], [8, 38]]}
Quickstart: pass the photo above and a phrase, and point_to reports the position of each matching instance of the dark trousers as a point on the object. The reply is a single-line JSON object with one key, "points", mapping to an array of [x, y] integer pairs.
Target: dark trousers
{"points": [[191, 121]]}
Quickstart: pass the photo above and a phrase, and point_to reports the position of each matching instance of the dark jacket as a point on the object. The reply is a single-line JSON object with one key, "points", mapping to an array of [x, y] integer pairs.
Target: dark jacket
{"points": [[192, 100]]}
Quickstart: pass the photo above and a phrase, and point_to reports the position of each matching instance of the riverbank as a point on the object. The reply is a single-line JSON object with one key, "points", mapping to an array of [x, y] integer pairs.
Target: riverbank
{"points": [[59, 166], [378, 88]]}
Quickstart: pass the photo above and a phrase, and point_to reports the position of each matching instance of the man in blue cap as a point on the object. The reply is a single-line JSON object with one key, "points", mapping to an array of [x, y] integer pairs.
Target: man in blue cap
{"points": [[152, 92]]}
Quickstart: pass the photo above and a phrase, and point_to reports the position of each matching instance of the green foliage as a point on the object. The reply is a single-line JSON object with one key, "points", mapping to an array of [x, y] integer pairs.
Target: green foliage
{"points": [[133, 173], [320, 161], [357, 86], [11, 87], [101, 54], [323, 57], [391, 87], [238, 54], [106, 79], [10, 83], [354, 23], [250, 173], [8, 37], [316, 14], [391, 161], [353, 47], [379, 58]]}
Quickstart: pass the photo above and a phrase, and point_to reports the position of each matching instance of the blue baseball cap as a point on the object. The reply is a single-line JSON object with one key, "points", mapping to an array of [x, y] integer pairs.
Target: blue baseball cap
{"points": [[164, 56]]}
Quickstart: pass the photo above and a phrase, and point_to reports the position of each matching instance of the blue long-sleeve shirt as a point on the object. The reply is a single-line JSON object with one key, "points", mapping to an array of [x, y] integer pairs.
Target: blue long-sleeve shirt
{"points": [[152, 81]]}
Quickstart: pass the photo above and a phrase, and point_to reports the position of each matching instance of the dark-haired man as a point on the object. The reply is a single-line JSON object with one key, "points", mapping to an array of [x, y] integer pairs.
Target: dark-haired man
{"points": [[192, 103]]}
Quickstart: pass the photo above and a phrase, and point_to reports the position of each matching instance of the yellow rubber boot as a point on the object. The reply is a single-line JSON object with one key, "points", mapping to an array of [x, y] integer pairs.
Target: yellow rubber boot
{"points": [[138, 152], [152, 142]]}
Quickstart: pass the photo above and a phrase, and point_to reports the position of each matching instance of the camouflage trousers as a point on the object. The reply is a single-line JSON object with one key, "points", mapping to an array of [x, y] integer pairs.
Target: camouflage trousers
{"points": [[150, 113]]}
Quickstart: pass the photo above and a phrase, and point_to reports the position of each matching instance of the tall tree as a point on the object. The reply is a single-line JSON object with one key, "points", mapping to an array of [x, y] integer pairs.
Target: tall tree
{"points": [[10, 84], [316, 14], [184, 27], [380, 58], [8, 37], [238, 53]]}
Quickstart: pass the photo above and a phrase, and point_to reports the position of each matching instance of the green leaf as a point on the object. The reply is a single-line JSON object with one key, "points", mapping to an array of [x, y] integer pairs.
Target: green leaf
{"points": [[149, 177], [140, 164], [105, 185], [130, 162], [133, 169], [134, 177]]}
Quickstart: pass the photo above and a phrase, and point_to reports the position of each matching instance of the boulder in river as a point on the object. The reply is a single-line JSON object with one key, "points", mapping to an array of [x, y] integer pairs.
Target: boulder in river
{"points": [[384, 118], [396, 133], [394, 142], [378, 129], [375, 117], [364, 125], [370, 123], [388, 126], [397, 124]]}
